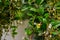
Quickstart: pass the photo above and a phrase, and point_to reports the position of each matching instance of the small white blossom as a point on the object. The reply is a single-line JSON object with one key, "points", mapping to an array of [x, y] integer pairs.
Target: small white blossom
{"points": [[50, 36], [50, 25], [21, 22], [34, 23], [53, 9], [44, 32]]}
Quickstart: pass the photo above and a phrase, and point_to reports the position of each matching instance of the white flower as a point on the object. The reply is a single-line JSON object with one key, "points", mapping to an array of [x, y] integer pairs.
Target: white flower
{"points": [[50, 36], [44, 32], [34, 23], [50, 25], [21, 22], [53, 9]]}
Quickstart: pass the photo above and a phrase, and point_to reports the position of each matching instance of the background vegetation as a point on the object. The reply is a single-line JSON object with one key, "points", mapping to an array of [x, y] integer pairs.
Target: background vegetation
{"points": [[43, 16]]}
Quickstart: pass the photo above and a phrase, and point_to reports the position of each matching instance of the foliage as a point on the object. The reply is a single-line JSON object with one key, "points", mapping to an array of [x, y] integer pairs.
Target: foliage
{"points": [[43, 16]]}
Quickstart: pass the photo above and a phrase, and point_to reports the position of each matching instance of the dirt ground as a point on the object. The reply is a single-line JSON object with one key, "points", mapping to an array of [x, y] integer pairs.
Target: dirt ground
{"points": [[21, 33]]}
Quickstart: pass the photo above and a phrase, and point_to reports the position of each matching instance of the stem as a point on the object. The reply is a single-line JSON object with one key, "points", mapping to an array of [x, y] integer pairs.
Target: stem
{"points": [[30, 37]]}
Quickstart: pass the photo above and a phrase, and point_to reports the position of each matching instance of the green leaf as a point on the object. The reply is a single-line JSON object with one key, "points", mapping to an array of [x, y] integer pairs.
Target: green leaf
{"points": [[43, 27], [7, 2], [46, 15], [33, 9], [25, 38], [55, 22], [58, 8], [41, 19], [0, 1], [41, 10], [30, 1], [39, 1], [28, 31], [56, 26], [13, 26], [13, 34], [29, 14], [18, 15], [24, 9], [44, 20], [57, 4], [14, 29], [54, 33]]}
